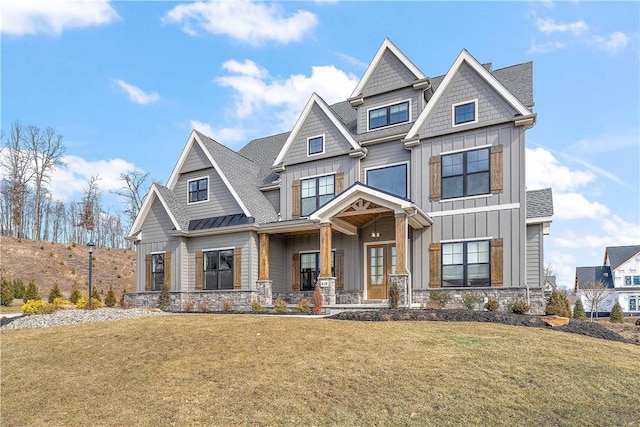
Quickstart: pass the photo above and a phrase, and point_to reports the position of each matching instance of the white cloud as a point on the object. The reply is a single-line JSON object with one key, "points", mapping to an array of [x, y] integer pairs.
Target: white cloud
{"points": [[136, 94], [544, 170], [352, 61], [247, 68], [254, 23], [254, 92], [20, 17], [546, 47], [549, 26], [614, 43], [564, 268], [606, 231], [226, 135], [575, 206]]}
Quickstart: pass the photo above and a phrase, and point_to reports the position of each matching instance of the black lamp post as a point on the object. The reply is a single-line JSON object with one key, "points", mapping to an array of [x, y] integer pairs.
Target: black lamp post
{"points": [[90, 247]]}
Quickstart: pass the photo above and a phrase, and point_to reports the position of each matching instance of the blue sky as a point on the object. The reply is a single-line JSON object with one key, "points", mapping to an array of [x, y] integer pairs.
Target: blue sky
{"points": [[125, 82]]}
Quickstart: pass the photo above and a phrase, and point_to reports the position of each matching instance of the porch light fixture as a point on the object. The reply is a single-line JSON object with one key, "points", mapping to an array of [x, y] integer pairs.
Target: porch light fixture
{"points": [[90, 247], [375, 235]]}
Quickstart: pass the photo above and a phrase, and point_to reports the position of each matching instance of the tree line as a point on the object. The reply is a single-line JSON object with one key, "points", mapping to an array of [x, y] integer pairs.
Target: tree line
{"points": [[28, 209]]}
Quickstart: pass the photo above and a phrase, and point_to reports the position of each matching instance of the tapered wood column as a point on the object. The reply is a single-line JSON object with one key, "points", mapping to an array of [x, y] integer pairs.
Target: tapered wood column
{"points": [[263, 265], [325, 250], [401, 242]]}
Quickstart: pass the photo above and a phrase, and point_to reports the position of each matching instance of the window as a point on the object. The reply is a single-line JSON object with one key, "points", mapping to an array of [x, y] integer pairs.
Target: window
{"points": [[464, 113], [218, 269], [389, 115], [636, 280], [392, 179], [315, 192], [157, 271], [315, 145], [627, 280], [633, 302], [310, 269], [198, 190], [466, 264], [465, 174]]}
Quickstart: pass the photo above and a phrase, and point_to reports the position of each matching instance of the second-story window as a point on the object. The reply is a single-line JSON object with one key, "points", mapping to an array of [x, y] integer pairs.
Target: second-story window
{"points": [[389, 115], [315, 192], [315, 145], [392, 179], [465, 174], [198, 190], [464, 113]]}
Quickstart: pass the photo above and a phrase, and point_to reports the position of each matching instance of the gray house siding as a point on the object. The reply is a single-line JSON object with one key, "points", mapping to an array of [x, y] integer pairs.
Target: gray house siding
{"points": [[534, 258], [273, 196], [386, 154], [316, 124], [221, 201], [196, 160], [277, 264], [390, 74], [385, 99]]}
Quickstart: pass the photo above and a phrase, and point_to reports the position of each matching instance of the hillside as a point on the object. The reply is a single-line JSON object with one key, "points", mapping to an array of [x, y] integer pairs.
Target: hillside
{"points": [[48, 263]]}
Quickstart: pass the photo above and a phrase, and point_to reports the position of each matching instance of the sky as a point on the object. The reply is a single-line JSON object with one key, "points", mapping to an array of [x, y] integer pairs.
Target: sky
{"points": [[125, 82]]}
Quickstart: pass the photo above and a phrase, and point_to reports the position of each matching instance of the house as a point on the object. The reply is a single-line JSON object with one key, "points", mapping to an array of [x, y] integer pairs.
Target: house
{"points": [[412, 181], [620, 274], [594, 287]]}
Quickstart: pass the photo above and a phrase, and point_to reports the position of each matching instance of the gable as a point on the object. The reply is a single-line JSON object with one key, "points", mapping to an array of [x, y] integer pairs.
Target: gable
{"points": [[316, 124], [467, 86], [220, 199], [390, 73], [196, 160], [157, 224]]}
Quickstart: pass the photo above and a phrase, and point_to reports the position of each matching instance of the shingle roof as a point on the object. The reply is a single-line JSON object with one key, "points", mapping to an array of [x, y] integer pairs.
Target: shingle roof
{"points": [[539, 203], [175, 207], [618, 255], [594, 274], [263, 152]]}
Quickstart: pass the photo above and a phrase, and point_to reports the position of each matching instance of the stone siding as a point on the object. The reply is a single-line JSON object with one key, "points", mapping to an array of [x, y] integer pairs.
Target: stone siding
{"points": [[203, 301], [504, 296]]}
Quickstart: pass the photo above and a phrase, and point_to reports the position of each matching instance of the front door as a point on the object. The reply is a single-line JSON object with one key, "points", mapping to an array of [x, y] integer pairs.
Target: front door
{"points": [[381, 262]]}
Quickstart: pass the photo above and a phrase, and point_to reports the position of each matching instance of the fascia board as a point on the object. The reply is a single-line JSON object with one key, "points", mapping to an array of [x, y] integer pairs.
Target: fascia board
{"points": [[343, 200], [175, 174]]}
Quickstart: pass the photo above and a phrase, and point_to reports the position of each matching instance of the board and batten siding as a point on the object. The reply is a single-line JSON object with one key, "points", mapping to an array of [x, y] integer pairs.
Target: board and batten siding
{"points": [[317, 123], [535, 273], [388, 98], [221, 201], [389, 74], [344, 164], [273, 196], [247, 241], [380, 155], [277, 263]]}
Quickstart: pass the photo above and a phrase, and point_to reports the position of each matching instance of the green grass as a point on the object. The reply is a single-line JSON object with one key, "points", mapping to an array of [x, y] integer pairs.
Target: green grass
{"points": [[263, 371]]}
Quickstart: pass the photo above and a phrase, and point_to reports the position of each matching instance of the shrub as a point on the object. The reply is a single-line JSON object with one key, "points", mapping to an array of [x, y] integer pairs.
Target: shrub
{"points": [[6, 292], [280, 306], [84, 300], [188, 306], [121, 302], [31, 293], [617, 316], [318, 300], [54, 293], [471, 300], [578, 311], [37, 307], [303, 306], [18, 288], [440, 297], [256, 306], [75, 294], [110, 299], [394, 295], [227, 305], [59, 302], [164, 299], [203, 307], [492, 305], [558, 304], [520, 307]]}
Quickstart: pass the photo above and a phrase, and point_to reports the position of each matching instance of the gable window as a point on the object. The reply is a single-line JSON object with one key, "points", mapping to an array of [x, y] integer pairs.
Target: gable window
{"points": [[217, 269], [389, 115], [465, 113], [198, 190], [310, 269], [392, 179], [157, 271], [465, 174], [466, 264], [315, 192], [315, 145]]}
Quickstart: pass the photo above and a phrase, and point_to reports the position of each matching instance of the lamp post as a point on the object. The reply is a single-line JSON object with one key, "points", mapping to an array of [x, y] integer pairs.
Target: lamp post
{"points": [[90, 247]]}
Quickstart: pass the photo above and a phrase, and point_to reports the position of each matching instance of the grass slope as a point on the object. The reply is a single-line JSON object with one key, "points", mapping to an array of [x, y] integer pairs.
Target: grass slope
{"points": [[264, 371]]}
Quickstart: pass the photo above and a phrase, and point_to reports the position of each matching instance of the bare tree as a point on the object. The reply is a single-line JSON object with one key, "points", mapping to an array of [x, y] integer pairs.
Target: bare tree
{"points": [[133, 191], [16, 163], [45, 151], [90, 205], [594, 292]]}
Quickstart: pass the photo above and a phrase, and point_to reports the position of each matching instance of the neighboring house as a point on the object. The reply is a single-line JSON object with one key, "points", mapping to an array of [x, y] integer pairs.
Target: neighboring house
{"points": [[412, 181], [602, 300], [620, 273]]}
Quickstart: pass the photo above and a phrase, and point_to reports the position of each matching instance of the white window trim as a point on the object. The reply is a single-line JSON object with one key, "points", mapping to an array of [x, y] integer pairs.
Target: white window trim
{"points": [[462, 150], [388, 105], [475, 111], [324, 145], [208, 188], [217, 249], [390, 165], [474, 239], [313, 177]]}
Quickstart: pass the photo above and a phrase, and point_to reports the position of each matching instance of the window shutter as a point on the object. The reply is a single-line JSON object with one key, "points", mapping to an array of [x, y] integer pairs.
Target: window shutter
{"points": [[147, 269], [435, 181], [199, 270], [435, 266], [295, 273], [167, 269], [237, 268], [339, 182], [295, 199], [497, 263], [496, 169], [339, 270]]}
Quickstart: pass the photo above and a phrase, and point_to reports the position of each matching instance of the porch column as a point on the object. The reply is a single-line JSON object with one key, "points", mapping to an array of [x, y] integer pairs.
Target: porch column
{"points": [[263, 266], [401, 242], [325, 249]]}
